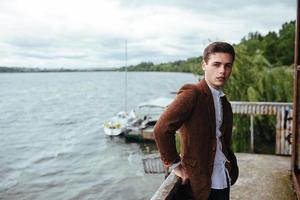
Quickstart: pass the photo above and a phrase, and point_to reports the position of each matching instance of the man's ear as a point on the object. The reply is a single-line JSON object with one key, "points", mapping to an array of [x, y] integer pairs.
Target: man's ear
{"points": [[203, 65]]}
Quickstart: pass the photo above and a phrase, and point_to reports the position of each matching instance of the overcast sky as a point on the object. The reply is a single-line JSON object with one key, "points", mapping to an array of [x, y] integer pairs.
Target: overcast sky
{"points": [[92, 33]]}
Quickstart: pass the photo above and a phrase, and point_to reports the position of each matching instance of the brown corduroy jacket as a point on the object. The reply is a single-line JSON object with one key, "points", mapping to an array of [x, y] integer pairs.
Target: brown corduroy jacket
{"points": [[193, 113]]}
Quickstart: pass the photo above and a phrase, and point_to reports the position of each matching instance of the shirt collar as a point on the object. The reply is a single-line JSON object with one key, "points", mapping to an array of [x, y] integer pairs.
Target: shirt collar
{"points": [[215, 92]]}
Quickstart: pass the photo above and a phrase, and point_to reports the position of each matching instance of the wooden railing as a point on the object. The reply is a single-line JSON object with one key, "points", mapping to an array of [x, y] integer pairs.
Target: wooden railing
{"points": [[166, 191], [283, 113]]}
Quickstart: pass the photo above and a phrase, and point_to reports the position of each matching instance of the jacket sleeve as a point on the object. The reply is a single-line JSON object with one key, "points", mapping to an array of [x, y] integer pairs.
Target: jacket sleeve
{"points": [[171, 120], [234, 172]]}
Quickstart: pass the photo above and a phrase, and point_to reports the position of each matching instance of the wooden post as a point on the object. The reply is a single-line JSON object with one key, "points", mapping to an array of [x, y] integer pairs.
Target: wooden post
{"points": [[282, 131], [278, 132], [296, 97], [296, 110], [168, 188], [251, 134]]}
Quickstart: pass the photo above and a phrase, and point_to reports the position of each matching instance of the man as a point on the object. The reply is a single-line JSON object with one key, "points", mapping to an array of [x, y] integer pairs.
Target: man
{"points": [[201, 112]]}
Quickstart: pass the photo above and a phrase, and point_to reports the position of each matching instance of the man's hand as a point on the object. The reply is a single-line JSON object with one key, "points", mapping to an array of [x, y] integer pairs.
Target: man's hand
{"points": [[180, 171]]}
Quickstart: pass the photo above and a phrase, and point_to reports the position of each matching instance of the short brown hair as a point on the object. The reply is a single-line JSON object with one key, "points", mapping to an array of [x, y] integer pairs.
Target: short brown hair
{"points": [[218, 47]]}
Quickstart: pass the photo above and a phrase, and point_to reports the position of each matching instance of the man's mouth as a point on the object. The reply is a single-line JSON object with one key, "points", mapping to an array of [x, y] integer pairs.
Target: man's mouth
{"points": [[221, 78]]}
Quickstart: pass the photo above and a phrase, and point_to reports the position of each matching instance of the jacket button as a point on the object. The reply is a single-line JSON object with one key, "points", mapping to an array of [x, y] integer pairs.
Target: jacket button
{"points": [[214, 149]]}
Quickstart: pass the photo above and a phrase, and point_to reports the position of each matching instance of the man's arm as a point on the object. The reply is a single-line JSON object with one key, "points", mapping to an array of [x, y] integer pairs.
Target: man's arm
{"points": [[233, 167], [171, 120]]}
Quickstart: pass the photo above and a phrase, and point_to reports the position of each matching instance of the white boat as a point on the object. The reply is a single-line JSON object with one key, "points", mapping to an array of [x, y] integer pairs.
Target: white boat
{"points": [[147, 115], [137, 123], [118, 124]]}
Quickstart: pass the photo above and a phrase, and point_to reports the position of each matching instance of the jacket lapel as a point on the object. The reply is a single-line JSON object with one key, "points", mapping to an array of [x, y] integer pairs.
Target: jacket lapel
{"points": [[210, 105], [224, 106]]}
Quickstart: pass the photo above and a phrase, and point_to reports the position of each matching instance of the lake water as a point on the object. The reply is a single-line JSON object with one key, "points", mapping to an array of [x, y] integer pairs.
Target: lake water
{"points": [[51, 137]]}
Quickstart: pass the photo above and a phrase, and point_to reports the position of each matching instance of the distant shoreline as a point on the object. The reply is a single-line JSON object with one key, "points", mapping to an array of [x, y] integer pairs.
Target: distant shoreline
{"points": [[38, 70], [71, 71]]}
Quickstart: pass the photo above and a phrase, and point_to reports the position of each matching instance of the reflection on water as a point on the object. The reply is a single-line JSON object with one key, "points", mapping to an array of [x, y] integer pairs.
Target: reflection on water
{"points": [[146, 147]]}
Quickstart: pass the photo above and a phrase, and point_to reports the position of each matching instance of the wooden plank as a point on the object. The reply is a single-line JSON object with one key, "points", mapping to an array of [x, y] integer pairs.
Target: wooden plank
{"points": [[251, 133], [270, 111], [262, 109], [278, 117], [296, 104], [296, 181], [290, 127], [167, 188], [282, 138]]}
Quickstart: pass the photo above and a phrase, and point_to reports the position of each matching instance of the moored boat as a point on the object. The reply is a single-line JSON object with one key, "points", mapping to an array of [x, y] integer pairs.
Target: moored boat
{"points": [[148, 113], [119, 123]]}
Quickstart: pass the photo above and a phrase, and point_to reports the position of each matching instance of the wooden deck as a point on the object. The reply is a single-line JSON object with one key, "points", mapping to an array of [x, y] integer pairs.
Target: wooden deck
{"points": [[262, 177]]}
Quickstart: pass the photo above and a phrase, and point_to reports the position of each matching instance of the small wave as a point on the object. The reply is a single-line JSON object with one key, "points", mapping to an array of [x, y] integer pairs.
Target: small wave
{"points": [[43, 159], [53, 173], [65, 123], [62, 154]]}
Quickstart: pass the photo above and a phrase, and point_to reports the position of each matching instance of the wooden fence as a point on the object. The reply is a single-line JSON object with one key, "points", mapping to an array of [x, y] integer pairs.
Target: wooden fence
{"points": [[283, 113]]}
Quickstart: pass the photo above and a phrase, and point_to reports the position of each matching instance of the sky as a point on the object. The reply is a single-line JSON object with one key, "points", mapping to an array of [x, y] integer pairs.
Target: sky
{"points": [[79, 34]]}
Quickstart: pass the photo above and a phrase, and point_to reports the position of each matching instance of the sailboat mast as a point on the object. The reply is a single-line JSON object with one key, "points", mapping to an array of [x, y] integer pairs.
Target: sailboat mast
{"points": [[126, 76]]}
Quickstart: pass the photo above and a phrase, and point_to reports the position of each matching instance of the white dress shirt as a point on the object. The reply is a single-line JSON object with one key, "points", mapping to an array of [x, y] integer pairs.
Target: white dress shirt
{"points": [[218, 178]]}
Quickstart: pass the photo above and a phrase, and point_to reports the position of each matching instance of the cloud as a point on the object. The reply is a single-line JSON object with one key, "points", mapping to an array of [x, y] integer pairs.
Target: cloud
{"points": [[92, 33]]}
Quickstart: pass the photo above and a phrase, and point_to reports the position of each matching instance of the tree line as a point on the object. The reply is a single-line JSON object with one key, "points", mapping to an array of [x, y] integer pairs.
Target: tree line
{"points": [[263, 71]]}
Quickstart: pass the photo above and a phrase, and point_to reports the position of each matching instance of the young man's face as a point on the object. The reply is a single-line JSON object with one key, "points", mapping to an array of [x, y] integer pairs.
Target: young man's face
{"points": [[217, 69]]}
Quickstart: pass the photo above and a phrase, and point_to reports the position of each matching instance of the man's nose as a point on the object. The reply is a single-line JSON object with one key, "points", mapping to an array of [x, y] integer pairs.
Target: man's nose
{"points": [[222, 69]]}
